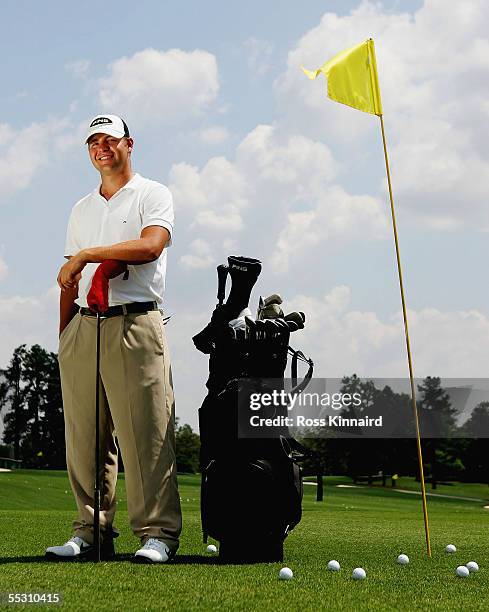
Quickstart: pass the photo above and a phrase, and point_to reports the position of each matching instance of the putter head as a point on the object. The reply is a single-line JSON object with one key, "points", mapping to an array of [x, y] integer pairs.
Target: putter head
{"points": [[107, 536]]}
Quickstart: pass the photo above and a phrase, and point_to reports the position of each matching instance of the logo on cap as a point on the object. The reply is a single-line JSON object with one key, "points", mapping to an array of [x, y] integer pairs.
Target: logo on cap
{"points": [[100, 121]]}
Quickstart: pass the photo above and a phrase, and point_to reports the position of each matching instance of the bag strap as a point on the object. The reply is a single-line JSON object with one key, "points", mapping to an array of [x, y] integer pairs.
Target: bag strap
{"points": [[299, 356], [294, 449]]}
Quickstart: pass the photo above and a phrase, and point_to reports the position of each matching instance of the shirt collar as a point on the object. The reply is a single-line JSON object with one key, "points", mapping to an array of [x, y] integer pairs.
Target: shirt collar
{"points": [[131, 184]]}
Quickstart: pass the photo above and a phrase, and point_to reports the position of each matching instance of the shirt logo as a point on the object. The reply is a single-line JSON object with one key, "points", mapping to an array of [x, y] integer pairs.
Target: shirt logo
{"points": [[100, 121]]}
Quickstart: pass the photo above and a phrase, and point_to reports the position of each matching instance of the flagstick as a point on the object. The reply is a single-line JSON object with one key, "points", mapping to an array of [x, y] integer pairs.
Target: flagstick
{"points": [[411, 377]]}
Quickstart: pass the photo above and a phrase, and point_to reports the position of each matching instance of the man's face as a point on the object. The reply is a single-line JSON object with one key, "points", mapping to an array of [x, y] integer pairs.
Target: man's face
{"points": [[109, 154]]}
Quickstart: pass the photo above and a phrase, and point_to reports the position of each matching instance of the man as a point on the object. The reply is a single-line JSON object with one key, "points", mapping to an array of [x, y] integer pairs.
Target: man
{"points": [[129, 219]]}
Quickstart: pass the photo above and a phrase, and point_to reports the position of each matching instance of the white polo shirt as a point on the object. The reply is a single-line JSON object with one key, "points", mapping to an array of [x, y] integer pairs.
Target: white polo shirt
{"points": [[94, 221]]}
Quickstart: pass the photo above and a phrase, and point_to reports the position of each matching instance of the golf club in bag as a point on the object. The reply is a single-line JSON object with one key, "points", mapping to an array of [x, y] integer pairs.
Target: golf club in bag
{"points": [[251, 489]]}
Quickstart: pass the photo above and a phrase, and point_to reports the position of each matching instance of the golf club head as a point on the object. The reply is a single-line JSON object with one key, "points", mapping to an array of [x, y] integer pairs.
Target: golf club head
{"points": [[272, 311], [244, 272], [275, 298], [297, 317]]}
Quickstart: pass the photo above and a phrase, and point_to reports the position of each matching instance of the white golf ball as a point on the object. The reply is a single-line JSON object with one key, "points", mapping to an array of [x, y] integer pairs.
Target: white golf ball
{"points": [[472, 566], [287, 574], [334, 566], [451, 548], [359, 573], [462, 571], [211, 548], [403, 559]]}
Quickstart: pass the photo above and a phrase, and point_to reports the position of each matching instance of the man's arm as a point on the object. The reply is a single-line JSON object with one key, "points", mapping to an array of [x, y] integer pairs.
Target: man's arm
{"points": [[67, 306], [146, 248]]}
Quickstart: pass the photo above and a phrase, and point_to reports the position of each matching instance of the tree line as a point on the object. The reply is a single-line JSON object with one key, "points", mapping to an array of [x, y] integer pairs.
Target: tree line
{"points": [[32, 408], [450, 451]]}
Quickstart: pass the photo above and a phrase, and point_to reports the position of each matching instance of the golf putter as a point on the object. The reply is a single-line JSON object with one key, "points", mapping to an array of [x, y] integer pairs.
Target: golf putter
{"points": [[98, 301], [96, 494]]}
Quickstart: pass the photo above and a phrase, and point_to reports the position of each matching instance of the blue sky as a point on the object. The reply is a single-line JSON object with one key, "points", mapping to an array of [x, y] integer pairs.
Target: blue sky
{"points": [[260, 163]]}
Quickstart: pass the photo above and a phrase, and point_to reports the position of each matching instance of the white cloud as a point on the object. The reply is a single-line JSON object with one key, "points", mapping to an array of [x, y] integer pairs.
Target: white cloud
{"points": [[432, 66], [160, 87], [72, 138], [342, 341], [185, 185], [6, 134], [265, 156], [33, 142], [28, 320], [228, 219], [78, 69], [215, 195], [3, 269], [276, 155], [259, 56], [279, 195], [214, 135], [200, 256], [338, 218]]}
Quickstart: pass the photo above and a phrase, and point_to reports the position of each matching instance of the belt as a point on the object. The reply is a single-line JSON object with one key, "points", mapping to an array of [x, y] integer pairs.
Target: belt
{"points": [[123, 309]]}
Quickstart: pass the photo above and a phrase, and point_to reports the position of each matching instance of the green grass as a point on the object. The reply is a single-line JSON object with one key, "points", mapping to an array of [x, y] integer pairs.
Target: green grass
{"points": [[366, 527], [475, 490]]}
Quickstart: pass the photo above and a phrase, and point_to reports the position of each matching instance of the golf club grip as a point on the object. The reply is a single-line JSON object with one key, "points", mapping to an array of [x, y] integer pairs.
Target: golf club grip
{"points": [[222, 272]]}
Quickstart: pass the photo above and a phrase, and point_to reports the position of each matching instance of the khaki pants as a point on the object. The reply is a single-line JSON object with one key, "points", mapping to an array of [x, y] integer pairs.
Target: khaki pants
{"points": [[137, 406]]}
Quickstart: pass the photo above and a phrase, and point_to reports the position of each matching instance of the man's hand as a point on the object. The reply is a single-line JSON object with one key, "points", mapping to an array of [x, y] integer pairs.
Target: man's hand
{"points": [[70, 272]]}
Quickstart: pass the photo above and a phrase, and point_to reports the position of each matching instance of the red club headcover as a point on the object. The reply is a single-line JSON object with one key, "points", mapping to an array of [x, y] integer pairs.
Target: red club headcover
{"points": [[98, 296]]}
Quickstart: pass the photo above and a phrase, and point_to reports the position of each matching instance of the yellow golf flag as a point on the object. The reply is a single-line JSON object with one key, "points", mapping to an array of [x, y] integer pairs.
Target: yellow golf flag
{"points": [[352, 78]]}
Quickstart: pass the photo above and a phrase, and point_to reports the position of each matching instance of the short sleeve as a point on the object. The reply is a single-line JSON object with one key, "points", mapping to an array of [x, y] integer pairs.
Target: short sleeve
{"points": [[157, 209], [72, 245]]}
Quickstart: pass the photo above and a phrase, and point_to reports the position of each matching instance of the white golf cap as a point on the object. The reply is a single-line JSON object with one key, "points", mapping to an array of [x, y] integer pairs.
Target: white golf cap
{"points": [[107, 124]]}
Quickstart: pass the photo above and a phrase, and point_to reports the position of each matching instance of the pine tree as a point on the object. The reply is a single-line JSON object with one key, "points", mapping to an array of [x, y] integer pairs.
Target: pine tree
{"points": [[187, 449], [31, 398], [438, 425], [475, 455], [12, 401]]}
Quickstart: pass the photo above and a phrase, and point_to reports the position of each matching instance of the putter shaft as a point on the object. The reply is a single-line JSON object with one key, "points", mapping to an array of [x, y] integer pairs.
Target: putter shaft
{"points": [[96, 495]]}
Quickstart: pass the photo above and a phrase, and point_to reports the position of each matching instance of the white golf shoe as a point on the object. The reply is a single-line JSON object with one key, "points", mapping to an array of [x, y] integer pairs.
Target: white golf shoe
{"points": [[75, 547], [154, 551]]}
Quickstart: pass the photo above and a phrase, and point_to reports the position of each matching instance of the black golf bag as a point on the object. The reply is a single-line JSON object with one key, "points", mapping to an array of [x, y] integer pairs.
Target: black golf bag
{"points": [[251, 490]]}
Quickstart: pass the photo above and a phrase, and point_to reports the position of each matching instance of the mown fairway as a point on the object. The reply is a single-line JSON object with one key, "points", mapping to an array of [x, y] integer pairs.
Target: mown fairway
{"points": [[366, 527]]}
